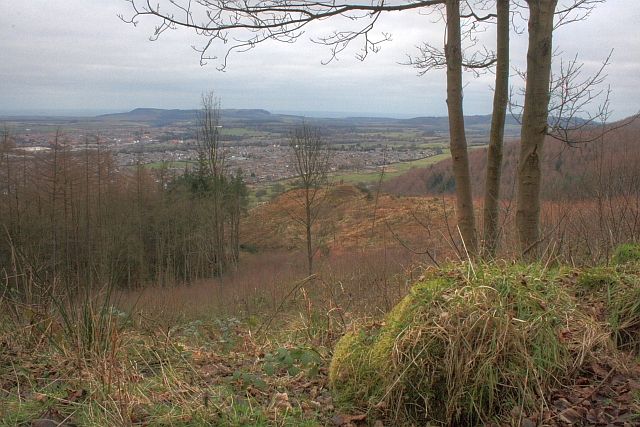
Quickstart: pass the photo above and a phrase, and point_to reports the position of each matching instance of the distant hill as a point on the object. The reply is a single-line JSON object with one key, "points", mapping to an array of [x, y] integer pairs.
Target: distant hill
{"points": [[578, 171], [161, 117], [265, 121], [257, 117]]}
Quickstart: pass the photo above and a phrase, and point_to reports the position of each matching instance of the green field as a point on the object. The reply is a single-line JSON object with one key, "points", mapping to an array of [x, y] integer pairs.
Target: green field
{"points": [[178, 164], [391, 171]]}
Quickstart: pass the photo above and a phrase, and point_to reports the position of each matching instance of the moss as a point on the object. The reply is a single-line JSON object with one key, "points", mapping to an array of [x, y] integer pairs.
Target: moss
{"points": [[595, 279], [627, 252], [352, 375], [460, 349], [362, 359]]}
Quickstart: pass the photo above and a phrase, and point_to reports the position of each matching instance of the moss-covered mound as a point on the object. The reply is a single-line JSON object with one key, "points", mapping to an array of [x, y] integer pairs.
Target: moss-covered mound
{"points": [[466, 347]]}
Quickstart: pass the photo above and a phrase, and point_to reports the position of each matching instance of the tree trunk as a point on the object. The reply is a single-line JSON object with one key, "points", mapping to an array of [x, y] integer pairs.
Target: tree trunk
{"points": [[534, 123], [494, 152], [308, 224], [458, 141]]}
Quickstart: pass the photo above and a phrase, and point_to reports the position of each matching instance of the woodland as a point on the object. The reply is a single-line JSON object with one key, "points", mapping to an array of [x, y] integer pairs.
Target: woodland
{"points": [[500, 286]]}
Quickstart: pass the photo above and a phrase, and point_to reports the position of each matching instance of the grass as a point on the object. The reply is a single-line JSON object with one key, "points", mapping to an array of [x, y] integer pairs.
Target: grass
{"points": [[184, 379], [391, 171], [627, 252], [239, 351], [616, 289], [466, 344], [173, 164]]}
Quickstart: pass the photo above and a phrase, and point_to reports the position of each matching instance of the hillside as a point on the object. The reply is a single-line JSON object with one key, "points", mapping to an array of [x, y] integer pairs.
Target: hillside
{"points": [[350, 220], [569, 171]]}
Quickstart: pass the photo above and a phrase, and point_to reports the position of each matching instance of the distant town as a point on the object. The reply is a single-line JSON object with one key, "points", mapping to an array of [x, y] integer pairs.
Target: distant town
{"points": [[254, 141]]}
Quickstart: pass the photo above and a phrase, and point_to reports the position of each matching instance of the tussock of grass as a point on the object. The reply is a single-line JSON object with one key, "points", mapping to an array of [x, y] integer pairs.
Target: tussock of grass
{"points": [[467, 347], [617, 290], [628, 252]]}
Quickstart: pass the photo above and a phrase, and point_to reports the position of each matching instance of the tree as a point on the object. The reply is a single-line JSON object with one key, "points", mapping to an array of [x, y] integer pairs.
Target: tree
{"points": [[212, 158], [310, 155], [496, 136], [239, 25], [535, 115], [455, 61], [457, 135], [283, 21]]}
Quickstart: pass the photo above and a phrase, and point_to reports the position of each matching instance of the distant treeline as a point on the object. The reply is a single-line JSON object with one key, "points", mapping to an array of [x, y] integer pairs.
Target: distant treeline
{"points": [[74, 217]]}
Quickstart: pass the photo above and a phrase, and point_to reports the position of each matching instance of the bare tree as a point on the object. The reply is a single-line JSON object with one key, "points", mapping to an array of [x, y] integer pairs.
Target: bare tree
{"points": [[310, 155], [238, 26], [457, 135], [460, 53], [496, 137], [544, 17], [211, 155]]}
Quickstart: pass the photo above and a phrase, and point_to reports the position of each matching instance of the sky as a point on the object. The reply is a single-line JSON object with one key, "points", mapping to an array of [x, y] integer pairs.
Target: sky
{"points": [[78, 57]]}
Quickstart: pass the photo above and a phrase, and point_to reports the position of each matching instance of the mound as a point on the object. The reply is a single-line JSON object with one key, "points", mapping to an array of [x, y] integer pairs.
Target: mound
{"points": [[469, 347]]}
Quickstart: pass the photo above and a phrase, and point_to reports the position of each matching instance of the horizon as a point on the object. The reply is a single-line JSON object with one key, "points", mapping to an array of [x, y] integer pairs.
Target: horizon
{"points": [[89, 113], [95, 113], [79, 57]]}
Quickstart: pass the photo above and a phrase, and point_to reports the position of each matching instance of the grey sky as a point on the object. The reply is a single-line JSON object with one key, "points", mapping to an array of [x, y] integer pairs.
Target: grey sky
{"points": [[77, 55]]}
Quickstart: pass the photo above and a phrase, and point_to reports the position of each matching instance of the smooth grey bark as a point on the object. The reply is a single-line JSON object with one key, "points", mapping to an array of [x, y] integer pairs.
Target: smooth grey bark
{"points": [[457, 135], [534, 123], [496, 137]]}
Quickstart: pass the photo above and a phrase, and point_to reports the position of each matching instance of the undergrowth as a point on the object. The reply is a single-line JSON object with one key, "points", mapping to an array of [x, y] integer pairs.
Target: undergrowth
{"points": [[469, 344]]}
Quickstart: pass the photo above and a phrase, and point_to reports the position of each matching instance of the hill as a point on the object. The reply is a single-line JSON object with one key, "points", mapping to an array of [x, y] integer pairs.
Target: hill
{"points": [[350, 219], [577, 171], [476, 125]]}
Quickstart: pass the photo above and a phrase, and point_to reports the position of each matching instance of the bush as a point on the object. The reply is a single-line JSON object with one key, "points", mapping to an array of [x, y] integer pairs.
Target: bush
{"points": [[466, 350]]}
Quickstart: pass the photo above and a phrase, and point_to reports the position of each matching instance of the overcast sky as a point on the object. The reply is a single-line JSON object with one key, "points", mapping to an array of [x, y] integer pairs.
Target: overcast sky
{"points": [[77, 56]]}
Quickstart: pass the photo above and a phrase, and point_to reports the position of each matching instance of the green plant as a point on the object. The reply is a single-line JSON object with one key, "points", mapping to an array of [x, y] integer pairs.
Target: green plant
{"points": [[293, 361], [627, 252], [245, 379], [598, 278]]}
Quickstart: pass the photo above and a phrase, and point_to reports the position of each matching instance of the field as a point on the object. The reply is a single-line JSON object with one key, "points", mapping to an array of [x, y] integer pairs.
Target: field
{"points": [[390, 171]]}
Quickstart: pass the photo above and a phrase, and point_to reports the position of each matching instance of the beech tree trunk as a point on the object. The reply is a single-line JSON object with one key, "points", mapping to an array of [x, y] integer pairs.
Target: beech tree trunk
{"points": [[458, 143], [496, 137], [534, 123]]}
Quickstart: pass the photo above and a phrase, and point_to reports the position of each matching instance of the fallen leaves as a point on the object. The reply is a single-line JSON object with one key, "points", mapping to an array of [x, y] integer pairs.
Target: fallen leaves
{"points": [[602, 395]]}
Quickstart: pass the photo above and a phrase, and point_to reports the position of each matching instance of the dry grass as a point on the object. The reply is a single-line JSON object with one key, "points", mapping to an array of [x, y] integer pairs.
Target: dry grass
{"points": [[469, 345]]}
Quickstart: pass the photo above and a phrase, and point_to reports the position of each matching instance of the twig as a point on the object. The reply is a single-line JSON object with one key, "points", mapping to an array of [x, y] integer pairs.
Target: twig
{"points": [[291, 292]]}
